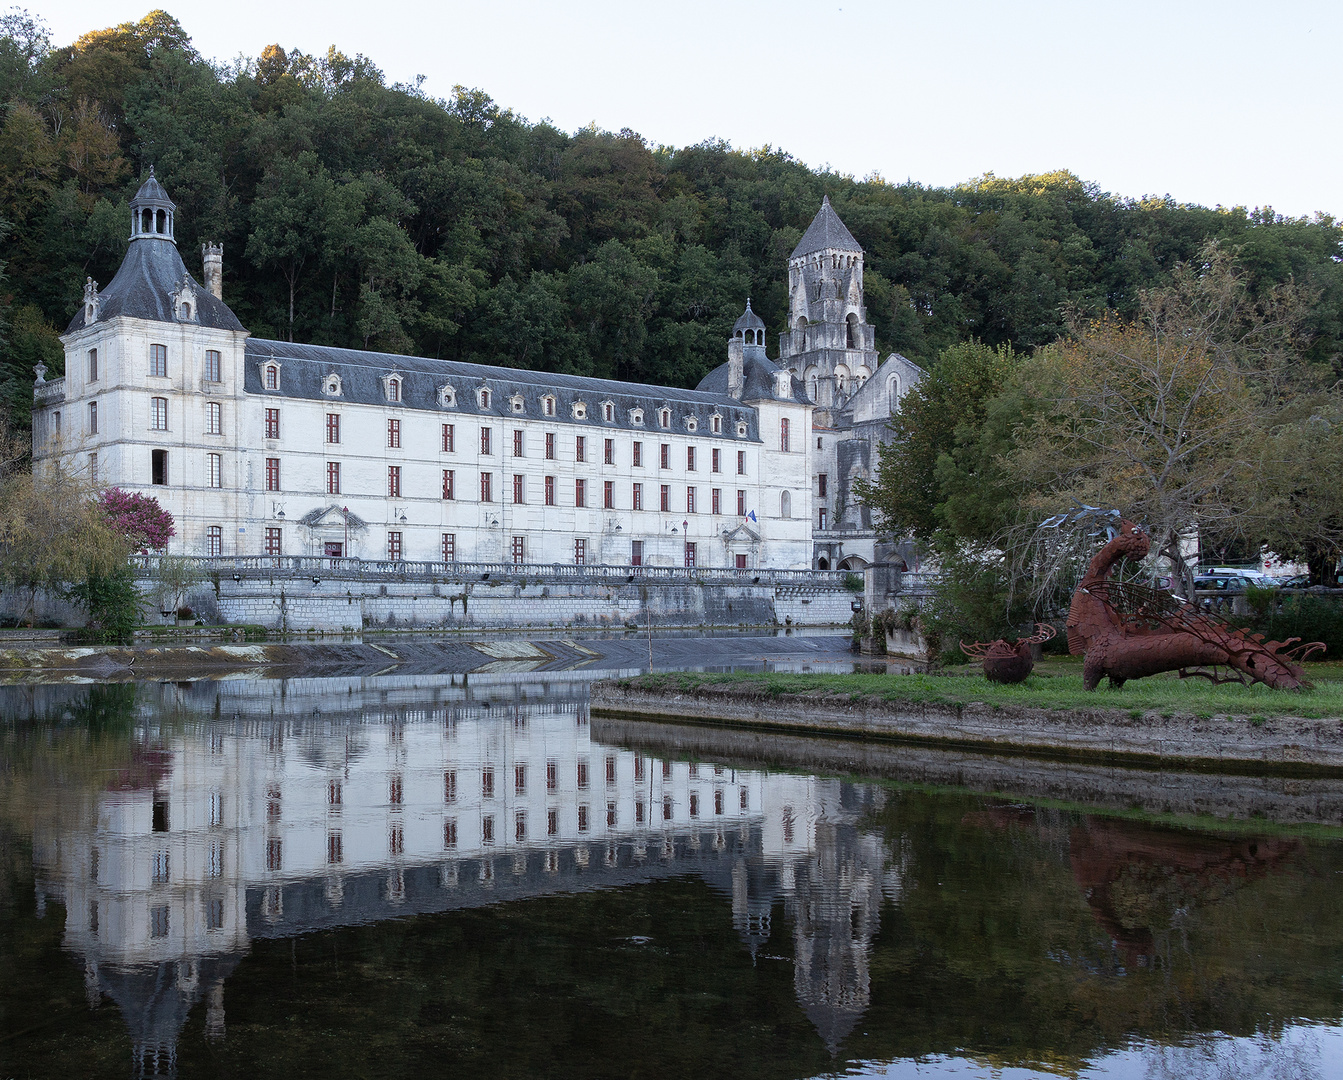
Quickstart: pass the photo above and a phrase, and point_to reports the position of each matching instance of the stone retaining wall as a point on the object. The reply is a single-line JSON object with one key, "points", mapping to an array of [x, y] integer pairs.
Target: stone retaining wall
{"points": [[1280, 744]]}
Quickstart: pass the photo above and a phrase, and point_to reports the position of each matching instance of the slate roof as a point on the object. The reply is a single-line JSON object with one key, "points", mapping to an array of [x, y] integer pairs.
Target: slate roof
{"points": [[759, 374], [826, 233], [143, 288], [304, 369], [151, 193], [749, 320]]}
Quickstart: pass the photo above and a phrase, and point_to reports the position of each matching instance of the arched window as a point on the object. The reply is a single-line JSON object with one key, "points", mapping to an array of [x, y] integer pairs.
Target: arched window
{"points": [[893, 394], [801, 325], [484, 399], [851, 331], [161, 225], [393, 389], [786, 504], [186, 311], [272, 377], [548, 406], [664, 418]]}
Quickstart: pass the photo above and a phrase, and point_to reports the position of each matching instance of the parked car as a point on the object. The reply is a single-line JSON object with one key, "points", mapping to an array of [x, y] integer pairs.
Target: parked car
{"points": [[1223, 582], [1296, 581]]}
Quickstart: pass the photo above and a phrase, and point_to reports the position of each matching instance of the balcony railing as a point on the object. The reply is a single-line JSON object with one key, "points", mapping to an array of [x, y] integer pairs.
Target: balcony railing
{"points": [[268, 567], [51, 392]]}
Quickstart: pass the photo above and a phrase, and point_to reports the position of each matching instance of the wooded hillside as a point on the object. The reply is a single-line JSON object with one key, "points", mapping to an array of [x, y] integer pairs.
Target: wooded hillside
{"points": [[356, 213]]}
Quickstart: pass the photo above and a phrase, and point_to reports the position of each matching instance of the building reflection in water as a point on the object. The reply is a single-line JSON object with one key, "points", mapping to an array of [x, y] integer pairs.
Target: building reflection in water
{"points": [[312, 804]]}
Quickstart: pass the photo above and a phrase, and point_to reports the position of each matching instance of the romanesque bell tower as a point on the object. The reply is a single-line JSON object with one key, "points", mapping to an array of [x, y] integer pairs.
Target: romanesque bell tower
{"points": [[828, 343]]}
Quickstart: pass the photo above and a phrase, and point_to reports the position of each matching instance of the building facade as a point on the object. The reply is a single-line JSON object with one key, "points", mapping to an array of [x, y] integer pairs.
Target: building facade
{"points": [[273, 448]]}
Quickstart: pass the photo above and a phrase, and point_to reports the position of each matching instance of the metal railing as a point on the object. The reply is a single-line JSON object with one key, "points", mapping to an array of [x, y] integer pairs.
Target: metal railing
{"points": [[325, 566]]}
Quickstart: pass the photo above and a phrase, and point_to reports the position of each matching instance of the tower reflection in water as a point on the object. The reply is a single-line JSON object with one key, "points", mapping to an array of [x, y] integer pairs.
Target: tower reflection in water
{"points": [[281, 814]]}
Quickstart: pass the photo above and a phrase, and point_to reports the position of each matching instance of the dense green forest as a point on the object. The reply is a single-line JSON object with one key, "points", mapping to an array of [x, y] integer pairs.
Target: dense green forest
{"points": [[361, 214]]}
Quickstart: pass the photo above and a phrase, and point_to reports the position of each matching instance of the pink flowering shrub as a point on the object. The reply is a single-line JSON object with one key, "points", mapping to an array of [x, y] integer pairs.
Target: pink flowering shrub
{"points": [[138, 517]]}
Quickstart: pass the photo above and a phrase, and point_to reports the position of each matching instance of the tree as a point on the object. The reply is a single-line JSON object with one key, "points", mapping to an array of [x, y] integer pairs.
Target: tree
{"points": [[139, 519], [1163, 416]]}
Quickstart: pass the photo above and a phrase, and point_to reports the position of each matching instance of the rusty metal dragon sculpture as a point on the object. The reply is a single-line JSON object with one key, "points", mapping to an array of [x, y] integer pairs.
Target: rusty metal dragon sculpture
{"points": [[1004, 662], [1128, 631]]}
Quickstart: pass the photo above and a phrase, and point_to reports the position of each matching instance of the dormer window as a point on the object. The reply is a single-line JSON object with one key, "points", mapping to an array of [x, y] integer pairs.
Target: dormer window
{"points": [[716, 424], [483, 396], [394, 389], [664, 418], [741, 429], [548, 405], [517, 403], [331, 387], [609, 411], [447, 396], [691, 424], [637, 417], [186, 311], [580, 410], [271, 376]]}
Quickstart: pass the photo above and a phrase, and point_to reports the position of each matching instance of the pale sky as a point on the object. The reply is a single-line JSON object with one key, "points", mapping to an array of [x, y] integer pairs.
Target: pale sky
{"points": [[1228, 102]]}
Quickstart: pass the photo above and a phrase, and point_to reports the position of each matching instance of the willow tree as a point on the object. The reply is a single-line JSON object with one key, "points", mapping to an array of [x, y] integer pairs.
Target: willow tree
{"points": [[1165, 416]]}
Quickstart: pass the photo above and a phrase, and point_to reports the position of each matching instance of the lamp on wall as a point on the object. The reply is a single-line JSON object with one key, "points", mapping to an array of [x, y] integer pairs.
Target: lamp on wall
{"points": [[237, 579], [317, 581]]}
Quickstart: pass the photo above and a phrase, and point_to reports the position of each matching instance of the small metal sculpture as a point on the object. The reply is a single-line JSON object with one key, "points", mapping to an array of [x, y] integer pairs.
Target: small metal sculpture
{"points": [[1128, 631], [1004, 662]]}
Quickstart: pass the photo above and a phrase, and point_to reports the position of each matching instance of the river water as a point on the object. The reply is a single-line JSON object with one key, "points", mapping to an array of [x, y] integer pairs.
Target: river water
{"points": [[447, 876]]}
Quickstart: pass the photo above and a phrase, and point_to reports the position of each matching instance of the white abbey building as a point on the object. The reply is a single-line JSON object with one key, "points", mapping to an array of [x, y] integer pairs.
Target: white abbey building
{"points": [[273, 448]]}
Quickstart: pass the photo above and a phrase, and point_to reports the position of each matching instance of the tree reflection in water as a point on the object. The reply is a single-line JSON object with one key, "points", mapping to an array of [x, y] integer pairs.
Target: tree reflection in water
{"points": [[378, 876]]}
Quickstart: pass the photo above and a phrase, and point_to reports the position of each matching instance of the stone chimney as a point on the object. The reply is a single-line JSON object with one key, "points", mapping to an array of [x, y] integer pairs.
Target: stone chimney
{"points": [[736, 368], [212, 256]]}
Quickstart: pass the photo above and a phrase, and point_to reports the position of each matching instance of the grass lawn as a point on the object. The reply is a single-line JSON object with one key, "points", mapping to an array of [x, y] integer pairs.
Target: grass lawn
{"points": [[1056, 684]]}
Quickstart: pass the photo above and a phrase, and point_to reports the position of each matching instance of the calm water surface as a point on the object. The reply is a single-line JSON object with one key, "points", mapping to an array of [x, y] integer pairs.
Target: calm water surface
{"points": [[374, 877]]}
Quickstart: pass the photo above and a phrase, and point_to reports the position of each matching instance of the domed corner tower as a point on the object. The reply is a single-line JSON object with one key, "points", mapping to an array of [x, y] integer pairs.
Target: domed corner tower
{"points": [[152, 396], [747, 343], [828, 343]]}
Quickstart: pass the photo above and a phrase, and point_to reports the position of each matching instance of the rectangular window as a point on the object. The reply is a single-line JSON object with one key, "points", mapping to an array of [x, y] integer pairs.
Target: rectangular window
{"points": [[394, 481], [611, 815], [274, 544], [93, 365], [718, 801], [213, 469], [93, 467], [610, 451], [214, 541], [274, 853], [550, 446], [741, 562], [610, 769], [272, 423], [666, 455], [394, 546], [334, 849], [213, 369], [580, 551], [93, 418], [689, 553], [517, 444], [638, 769], [609, 495], [552, 775], [636, 553], [637, 497], [487, 782], [582, 819], [823, 519], [689, 500], [518, 490], [666, 808], [272, 474], [333, 477], [582, 773], [580, 493], [717, 500], [450, 786], [486, 487], [550, 491], [665, 505], [519, 550], [158, 413], [158, 466], [520, 825], [449, 547], [689, 459], [485, 440], [449, 438], [396, 789], [694, 804], [639, 812], [821, 484], [520, 779], [741, 503], [717, 463], [637, 459], [741, 462], [158, 921], [214, 913], [214, 418], [158, 361], [396, 840], [394, 434], [552, 822], [580, 448], [449, 484], [783, 434], [450, 833]]}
